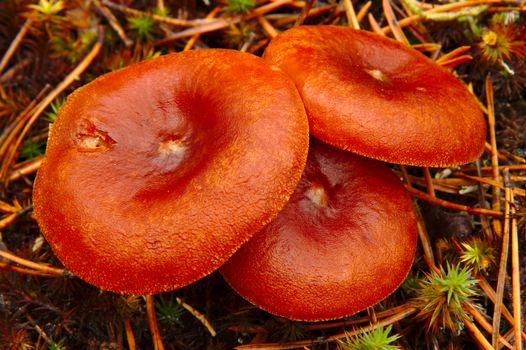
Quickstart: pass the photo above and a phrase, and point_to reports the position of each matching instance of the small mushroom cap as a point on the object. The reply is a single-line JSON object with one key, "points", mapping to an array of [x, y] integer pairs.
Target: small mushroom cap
{"points": [[379, 98], [344, 241], [155, 174]]}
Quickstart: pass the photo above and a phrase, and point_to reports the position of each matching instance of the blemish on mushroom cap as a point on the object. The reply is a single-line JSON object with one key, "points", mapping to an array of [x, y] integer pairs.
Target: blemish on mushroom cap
{"points": [[317, 263], [91, 139], [377, 74], [207, 146], [317, 195], [379, 98]]}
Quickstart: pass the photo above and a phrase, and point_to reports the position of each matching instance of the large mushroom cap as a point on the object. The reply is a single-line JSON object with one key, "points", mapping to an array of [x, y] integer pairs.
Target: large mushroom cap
{"points": [[155, 174], [379, 98], [344, 241]]}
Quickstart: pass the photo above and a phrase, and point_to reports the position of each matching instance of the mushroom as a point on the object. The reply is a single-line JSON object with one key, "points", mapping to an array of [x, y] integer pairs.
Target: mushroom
{"points": [[345, 241], [155, 174], [379, 98]]}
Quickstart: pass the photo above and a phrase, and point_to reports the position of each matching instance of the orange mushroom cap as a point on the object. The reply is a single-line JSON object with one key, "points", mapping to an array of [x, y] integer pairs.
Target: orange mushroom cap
{"points": [[155, 174], [379, 98], [344, 241]]}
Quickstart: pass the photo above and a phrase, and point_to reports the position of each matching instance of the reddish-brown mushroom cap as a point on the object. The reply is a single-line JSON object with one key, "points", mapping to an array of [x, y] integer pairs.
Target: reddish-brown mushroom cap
{"points": [[345, 241], [379, 98], [155, 174]]}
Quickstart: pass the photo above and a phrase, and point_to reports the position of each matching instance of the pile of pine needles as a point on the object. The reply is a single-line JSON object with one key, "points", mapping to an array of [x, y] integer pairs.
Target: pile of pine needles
{"points": [[464, 288]]}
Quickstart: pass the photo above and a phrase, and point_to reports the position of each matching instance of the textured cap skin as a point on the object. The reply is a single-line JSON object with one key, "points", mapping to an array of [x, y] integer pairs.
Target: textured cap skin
{"points": [[155, 174], [345, 241], [379, 98]]}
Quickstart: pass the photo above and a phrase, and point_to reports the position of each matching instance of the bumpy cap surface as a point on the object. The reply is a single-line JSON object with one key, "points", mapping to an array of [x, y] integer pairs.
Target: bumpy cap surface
{"points": [[379, 98], [345, 241], [155, 174]]}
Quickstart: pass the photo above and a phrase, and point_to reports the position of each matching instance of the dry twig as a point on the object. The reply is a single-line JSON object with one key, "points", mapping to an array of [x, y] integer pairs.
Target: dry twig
{"points": [[152, 322], [14, 44]]}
